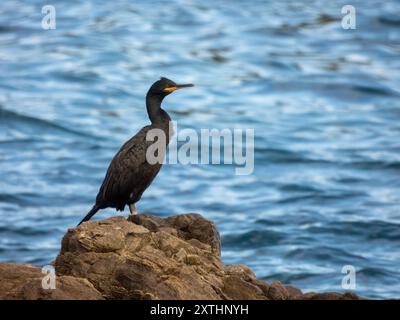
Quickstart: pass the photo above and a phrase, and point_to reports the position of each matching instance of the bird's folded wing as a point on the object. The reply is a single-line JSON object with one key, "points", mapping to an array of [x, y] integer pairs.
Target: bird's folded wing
{"points": [[126, 168]]}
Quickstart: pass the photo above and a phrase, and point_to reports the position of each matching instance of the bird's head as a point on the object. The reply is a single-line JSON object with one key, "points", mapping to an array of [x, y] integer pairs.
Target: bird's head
{"points": [[164, 87]]}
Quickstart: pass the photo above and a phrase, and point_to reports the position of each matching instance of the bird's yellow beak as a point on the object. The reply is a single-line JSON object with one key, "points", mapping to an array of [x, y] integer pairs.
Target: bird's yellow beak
{"points": [[178, 86]]}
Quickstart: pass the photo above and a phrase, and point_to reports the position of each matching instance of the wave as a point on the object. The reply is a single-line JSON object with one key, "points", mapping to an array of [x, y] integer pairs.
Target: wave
{"points": [[324, 253], [285, 156], [369, 230], [8, 118], [23, 231], [253, 238], [374, 165]]}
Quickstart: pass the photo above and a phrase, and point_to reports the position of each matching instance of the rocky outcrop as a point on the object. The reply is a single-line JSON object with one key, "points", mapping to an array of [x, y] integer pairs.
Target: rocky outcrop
{"points": [[146, 257], [24, 282]]}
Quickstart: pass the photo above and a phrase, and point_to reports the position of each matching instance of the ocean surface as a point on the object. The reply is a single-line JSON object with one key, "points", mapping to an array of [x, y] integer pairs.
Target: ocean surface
{"points": [[324, 103]]}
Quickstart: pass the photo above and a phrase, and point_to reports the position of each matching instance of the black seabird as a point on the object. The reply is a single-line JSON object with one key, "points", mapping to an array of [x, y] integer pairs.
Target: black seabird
{"points": [[129, 173]]}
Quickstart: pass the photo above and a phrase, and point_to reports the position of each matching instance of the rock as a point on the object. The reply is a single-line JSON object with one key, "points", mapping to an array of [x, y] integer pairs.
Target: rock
{"points": [[25, 282], [67, 288], [277, 291], [146, 257], [150, 258], [190, 227], [14, 277], [329, 296]]}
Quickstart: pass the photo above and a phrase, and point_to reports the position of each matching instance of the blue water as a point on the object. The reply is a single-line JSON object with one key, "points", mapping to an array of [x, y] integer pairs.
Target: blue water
{"points": [[324, 103]]}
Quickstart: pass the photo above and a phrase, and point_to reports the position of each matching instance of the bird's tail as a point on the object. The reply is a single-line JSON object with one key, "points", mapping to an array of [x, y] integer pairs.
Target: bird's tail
{"points": [[90, 214]]}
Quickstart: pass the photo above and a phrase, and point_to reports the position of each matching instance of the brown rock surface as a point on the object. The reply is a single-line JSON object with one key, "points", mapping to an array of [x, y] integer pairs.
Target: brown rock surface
{"points": [[145, 257], [24, 282]]}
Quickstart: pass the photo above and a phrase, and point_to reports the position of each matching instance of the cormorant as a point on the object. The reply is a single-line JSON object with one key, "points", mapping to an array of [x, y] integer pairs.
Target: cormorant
{"points": [[129, 173]]}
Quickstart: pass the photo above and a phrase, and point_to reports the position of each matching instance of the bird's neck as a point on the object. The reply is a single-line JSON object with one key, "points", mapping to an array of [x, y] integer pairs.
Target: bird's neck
{"points": [[157, 115]]}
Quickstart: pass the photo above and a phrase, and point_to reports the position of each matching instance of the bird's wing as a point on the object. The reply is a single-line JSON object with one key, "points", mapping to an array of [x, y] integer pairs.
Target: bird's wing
{"points": [[127, 169]]}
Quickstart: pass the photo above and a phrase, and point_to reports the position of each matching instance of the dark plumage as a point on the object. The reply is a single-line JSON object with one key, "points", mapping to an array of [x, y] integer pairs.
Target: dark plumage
{"points": [[129, 173]]}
